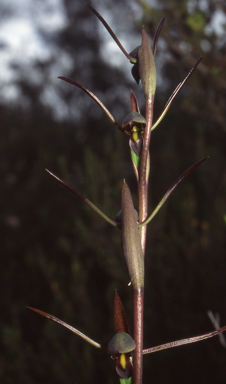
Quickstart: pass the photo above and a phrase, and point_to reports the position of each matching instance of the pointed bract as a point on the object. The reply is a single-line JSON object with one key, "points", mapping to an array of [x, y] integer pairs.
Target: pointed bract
{"points": [[134, 103], [147, 68], [121, 323], [131, 243]]}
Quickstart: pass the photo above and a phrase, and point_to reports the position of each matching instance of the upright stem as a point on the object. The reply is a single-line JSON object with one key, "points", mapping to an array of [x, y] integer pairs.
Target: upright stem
{"points": [[138, 295], [138, 298]]}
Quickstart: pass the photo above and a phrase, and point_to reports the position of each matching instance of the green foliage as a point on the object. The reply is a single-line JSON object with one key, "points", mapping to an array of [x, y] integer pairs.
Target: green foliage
{"points": [[196, 21]]}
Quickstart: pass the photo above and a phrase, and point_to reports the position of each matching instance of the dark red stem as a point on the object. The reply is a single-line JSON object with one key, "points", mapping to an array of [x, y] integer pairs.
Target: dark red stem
{"points": [[138, 298], [143, 212]]}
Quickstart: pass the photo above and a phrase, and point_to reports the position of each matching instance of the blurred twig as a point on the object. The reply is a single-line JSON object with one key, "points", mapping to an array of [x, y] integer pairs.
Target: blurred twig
{"points": [[215, 320]]}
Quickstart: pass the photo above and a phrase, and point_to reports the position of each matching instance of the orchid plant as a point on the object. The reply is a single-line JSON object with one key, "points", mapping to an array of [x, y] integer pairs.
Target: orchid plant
{"points": [[127, 350]]}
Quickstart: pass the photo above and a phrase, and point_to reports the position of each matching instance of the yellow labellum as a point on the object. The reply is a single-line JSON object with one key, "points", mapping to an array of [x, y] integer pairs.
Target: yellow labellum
{"points": [[123, 360]]}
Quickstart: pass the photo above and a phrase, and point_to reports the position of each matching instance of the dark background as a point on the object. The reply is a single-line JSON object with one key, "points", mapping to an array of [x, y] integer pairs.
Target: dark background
{"points": [[58, 255]]}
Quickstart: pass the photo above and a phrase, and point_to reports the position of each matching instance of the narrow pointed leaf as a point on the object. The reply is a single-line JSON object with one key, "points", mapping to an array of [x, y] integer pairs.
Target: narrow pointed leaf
{"points": [[72, 329], [175, 92], [131, 242], [93, 97], [108, 28], [147, 68], [178, 343], [83, 198], [171, 189], [157, 33], [121, 324]]}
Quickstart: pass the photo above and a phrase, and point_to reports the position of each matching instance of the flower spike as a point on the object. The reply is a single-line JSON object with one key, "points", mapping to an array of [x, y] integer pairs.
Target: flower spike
{"points": [[83, 198], [171, 189], [175, 92]]}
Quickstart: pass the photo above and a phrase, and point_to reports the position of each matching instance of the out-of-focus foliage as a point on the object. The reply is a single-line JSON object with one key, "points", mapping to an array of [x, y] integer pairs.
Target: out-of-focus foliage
{"points": [[57, 255]]}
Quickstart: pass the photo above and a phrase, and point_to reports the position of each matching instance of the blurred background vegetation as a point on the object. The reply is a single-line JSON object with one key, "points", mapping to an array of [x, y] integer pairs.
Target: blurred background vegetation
{"points": [[59, 256]]}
